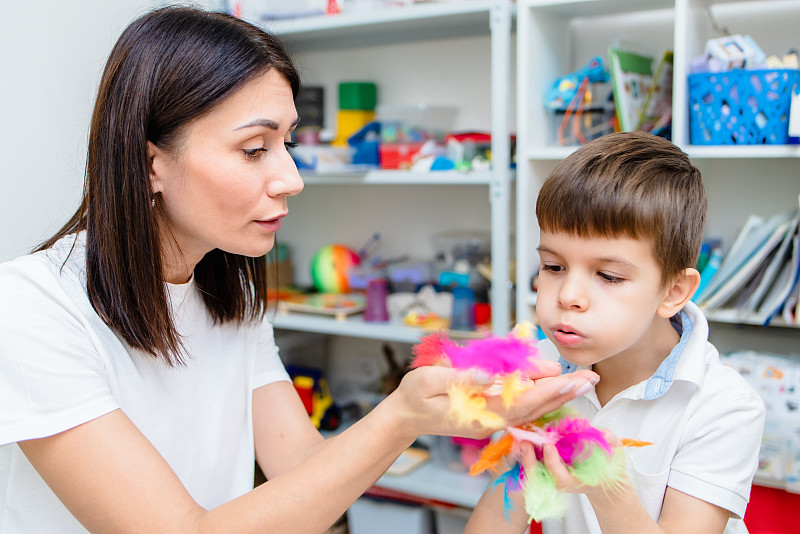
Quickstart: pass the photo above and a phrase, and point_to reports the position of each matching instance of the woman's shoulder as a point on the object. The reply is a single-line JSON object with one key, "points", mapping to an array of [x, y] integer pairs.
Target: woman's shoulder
{"points": [[43, 271]]}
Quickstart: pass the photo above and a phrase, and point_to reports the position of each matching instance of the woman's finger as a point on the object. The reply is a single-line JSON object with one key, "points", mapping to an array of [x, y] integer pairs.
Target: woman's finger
{"points": [[545, 395]]}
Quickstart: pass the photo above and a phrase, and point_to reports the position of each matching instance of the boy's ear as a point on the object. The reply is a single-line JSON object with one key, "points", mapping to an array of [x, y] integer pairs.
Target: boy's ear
{"points": [[680, 291]]}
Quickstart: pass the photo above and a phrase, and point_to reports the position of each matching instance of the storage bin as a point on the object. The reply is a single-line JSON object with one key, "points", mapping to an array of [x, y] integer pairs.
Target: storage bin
{"points": [[741, 107], [369, 516]]}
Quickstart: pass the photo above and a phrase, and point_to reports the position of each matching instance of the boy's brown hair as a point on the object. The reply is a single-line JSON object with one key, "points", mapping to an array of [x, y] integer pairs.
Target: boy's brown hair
{"points": [[630, 184]]}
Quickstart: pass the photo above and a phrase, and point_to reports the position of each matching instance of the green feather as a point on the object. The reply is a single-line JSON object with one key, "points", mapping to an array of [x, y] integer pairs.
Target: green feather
{"points": [[542, 499]]}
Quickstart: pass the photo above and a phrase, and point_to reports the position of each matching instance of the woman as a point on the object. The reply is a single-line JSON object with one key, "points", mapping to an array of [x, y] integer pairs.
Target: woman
{"points": [[139, 378]]}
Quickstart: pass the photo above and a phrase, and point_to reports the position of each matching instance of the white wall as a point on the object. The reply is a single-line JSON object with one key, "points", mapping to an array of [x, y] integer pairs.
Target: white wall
{"points": [[52, 53]]}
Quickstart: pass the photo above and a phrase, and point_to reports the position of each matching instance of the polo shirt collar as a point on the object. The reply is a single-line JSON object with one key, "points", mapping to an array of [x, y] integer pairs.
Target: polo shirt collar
{"points": [[685, 323]]}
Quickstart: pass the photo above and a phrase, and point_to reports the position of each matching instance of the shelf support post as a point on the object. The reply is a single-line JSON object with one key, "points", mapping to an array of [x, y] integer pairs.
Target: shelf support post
{"points": [[499, 192]]}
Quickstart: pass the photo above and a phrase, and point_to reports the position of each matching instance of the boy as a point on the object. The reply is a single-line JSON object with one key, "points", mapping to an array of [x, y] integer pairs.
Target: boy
{"points": [[621, 224]]}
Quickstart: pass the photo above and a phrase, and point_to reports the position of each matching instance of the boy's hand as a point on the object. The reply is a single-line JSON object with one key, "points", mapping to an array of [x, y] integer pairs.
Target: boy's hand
{"points": [[564, 480], [558, 470]]}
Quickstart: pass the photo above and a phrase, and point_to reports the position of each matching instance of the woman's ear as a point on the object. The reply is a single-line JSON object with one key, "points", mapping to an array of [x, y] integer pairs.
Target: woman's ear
{"points": [[679, 292], [156, 168]]}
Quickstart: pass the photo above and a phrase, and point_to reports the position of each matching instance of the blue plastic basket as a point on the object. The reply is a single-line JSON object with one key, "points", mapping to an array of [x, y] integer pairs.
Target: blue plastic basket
{"points": [[741, 107]]}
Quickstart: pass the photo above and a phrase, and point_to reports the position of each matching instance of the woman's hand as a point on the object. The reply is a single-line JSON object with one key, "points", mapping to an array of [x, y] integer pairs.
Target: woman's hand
{"points": [[422, 405]]}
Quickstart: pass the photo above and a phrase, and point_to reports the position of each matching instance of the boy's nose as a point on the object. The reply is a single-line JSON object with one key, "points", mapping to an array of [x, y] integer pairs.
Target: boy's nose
{"points": [[571, 294]]}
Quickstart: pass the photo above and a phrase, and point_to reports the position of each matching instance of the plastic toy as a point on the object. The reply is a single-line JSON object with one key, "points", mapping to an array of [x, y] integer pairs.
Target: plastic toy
{"points": [[329, 268], [588, 453], [566, 88], [366, 143], [313, 390]]}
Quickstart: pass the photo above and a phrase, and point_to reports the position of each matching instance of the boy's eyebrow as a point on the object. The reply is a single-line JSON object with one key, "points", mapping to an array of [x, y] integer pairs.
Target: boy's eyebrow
{"points": [[609, 259], [266, 123]]}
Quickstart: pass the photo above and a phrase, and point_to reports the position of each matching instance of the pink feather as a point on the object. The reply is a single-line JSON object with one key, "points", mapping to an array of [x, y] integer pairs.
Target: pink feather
{"points": [[495, 355], [576, 437]]}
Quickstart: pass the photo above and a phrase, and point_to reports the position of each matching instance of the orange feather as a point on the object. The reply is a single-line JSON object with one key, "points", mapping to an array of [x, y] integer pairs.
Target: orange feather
{"points": [[627, 442], [492, 455]]}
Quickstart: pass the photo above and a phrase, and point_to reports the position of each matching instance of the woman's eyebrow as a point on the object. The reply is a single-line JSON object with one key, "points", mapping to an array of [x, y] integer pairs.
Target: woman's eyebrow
{"points": [[266, 123]]}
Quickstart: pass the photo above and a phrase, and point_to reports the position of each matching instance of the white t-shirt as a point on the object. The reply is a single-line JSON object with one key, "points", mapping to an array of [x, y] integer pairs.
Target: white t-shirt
{"points": [[61, 366], [704, 420]]}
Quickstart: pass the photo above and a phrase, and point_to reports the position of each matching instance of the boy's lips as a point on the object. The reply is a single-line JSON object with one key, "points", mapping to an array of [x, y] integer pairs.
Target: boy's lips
{"points": [[567, 335]]}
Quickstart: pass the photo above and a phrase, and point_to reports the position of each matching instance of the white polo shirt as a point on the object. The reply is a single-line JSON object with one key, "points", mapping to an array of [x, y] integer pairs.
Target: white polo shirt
{"points": [[704, 420]]}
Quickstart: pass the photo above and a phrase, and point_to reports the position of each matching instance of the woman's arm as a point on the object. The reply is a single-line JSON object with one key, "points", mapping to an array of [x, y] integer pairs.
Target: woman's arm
{"points": [[113, 480]]}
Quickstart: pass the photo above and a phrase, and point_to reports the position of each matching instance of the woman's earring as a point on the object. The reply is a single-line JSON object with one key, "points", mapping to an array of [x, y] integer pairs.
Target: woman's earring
{"points": [[152, 202]]}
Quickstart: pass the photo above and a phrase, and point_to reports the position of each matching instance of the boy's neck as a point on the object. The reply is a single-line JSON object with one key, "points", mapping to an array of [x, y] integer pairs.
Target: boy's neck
{"points": [[621, 371]]}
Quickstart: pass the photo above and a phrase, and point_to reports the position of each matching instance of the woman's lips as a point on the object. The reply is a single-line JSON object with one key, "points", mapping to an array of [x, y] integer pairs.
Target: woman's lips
{"points": [[272, 225]]}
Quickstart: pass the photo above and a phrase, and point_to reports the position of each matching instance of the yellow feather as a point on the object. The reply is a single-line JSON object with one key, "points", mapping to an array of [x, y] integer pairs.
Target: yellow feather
{"points": [[523, 330], [468, 406], [512, 387]]}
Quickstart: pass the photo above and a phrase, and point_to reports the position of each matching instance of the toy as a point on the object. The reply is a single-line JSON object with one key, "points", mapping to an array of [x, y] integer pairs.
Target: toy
{"points": [[588, 453], [329, 268], [567, 88], [313, 391]]}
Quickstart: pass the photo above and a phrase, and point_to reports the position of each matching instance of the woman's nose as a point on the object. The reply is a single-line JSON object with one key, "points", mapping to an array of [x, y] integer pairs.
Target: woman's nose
{"points": [[286, 179]]}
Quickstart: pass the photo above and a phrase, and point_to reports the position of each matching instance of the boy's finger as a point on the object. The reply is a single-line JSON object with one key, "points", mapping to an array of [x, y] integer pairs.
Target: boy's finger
{"points": [[556, 467], [527, 456]]}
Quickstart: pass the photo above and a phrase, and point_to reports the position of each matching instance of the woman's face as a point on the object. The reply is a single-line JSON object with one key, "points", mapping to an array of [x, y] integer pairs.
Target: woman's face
{"points": [[226, 185]]}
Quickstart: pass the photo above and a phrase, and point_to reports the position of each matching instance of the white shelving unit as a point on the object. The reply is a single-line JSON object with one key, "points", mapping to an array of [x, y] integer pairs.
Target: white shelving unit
{"points": [[352, 34], [430, 481], [557, 37], [346, 33]]}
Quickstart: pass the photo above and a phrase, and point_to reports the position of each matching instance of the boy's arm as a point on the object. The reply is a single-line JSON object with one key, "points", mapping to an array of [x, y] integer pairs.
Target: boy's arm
{"points": [[488, 515], [620, 511]]}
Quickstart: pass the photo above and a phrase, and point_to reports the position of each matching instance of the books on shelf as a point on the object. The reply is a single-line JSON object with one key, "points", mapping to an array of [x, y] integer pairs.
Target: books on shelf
{"points": [[631, 79], [757, 279]]}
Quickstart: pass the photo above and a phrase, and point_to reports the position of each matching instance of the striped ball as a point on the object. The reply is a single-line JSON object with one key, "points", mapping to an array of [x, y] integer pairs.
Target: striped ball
{"points": [[329, 268]]}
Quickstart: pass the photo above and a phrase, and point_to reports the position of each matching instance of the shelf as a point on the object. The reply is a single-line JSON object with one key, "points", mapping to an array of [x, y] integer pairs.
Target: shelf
{"points": [[743, 151], [433, 481], [775, 484], [356, 326], [553, 153], [353, 326], [593, 8], [557, 153], [733, 317], [378, 177], [395, 25]]}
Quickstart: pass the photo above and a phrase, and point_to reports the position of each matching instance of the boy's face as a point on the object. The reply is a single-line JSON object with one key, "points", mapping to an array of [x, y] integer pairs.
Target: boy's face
{"points": [[598, 297]]}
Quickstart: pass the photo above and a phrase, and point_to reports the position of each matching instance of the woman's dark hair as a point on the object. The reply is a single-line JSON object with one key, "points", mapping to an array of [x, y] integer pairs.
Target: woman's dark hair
{"points": [[168, 68]]}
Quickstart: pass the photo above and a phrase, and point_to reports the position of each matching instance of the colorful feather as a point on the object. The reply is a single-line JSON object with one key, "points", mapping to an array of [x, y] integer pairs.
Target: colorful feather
{"points": [[431, 350], [467, 407], [511, 480], [542, 498], [492, 455], [575, 439], [494, 355], [627, 442], [587, 453], [513, 385]]}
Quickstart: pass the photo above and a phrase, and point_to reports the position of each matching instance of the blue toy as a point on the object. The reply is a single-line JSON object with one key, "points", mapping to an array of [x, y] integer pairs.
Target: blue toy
{"points": [[366, 141], [564, 89]]}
